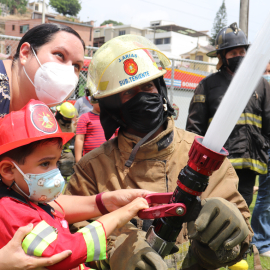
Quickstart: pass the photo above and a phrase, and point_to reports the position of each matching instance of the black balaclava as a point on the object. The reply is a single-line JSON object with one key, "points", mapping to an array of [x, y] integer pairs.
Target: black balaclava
{"points": [[111, 109], [143, 112], [232, 63]]}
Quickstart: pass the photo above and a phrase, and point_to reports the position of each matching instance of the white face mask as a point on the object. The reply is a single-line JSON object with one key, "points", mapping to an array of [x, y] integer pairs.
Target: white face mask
{"points": [[43, 187], [53, 82]]}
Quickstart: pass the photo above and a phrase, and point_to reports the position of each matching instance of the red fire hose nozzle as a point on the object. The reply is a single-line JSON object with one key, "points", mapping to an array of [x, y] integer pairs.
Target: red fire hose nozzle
{"points": [[166, 210], [203, 159]]}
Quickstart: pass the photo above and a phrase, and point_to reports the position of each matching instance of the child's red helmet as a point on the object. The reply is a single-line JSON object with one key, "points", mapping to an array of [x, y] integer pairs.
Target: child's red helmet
{"points": [[32, 123]]}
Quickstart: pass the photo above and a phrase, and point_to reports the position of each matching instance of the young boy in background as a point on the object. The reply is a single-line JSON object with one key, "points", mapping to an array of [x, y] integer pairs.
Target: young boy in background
{"points": [[30, 147], [89, 133]]}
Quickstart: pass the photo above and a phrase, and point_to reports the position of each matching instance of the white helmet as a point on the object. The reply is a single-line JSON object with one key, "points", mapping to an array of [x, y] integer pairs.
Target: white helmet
{"points": [[122, 63]]}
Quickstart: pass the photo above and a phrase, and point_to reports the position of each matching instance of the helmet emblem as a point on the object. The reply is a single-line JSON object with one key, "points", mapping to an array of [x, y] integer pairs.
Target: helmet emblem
{"points": [[130, 67], [43, 119]]}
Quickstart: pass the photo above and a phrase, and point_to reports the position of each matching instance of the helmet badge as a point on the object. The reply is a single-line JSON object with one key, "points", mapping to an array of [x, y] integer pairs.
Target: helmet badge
{"points": [[234, 27], [130, 67], [43, 119]]}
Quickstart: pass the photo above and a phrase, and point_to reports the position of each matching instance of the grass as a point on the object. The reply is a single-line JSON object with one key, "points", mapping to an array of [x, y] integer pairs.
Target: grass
{"points": [[264, 260]]}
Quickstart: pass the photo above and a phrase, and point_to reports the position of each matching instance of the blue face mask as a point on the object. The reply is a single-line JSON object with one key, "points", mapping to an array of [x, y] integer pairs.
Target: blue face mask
{"points": [[43, 187], [267, 77]]}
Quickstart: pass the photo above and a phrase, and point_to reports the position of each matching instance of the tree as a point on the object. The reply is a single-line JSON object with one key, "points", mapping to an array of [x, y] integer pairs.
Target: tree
{"points": [[15, 5], [219, 22], [111, 21], [66, 7]]}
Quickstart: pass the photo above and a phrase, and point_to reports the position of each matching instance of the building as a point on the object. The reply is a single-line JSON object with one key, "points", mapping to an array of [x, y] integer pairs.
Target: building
{"points": [[17, 28], [38, 6], [175, 40], [104, 33], [199, 53]]}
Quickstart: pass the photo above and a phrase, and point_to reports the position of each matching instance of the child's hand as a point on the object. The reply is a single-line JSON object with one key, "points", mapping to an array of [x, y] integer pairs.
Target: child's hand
{"points": [[121, 216], [129, 211], [116, 199]]}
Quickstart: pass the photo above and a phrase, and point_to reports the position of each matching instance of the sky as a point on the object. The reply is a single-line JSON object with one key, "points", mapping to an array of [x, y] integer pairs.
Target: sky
{"points": [[195, 14]]}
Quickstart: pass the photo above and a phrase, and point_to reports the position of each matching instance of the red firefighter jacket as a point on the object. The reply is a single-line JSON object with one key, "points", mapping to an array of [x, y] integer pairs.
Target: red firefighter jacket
{"points": [[85, 245]]}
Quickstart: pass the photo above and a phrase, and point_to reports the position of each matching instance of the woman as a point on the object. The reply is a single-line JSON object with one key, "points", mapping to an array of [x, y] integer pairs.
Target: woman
{"points": [[46, 66]]}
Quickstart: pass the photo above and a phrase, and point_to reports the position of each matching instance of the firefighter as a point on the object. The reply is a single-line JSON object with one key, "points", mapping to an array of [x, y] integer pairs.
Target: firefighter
{"points": [[65, 116], [149, 152], [30, 146], [249, 141]]}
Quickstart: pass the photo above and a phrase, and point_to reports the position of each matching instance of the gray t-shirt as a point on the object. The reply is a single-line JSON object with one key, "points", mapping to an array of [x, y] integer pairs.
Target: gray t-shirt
{"points": [[83, 106]]}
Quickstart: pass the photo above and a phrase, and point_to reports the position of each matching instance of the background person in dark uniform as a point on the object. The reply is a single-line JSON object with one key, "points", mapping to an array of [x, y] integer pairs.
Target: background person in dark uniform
{"points": [[249, 141]]}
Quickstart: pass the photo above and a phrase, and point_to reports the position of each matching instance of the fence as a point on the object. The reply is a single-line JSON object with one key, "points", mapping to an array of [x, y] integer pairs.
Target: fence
{"points": [[181, 78]]}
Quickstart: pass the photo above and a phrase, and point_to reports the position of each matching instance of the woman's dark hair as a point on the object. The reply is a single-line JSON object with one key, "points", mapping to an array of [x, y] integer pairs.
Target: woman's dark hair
{"points": [[42, 34]]}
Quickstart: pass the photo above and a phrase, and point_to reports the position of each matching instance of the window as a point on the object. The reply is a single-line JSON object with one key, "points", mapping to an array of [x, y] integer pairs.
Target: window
{"points": [[13, 27], [122, 32], [24, 28], [199, 57], [36, 7], [159, 41], [167, 40]]}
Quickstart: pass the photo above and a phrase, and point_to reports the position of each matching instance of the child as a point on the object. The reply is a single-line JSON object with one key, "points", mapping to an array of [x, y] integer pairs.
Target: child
{"points": [[30, 147], [89, 133]]}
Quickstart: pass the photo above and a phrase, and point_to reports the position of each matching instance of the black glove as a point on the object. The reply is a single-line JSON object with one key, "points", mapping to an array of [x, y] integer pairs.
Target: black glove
{"points": [[130, 251], [217, 233]]}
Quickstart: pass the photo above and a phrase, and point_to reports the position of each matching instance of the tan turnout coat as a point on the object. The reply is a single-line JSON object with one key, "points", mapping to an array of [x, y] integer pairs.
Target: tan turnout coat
{"points": [[103, 169]]}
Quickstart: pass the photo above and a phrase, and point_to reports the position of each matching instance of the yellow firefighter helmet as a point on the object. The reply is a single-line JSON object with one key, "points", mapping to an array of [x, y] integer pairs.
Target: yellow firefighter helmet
{"points": [[67, 110], [122, 63]]}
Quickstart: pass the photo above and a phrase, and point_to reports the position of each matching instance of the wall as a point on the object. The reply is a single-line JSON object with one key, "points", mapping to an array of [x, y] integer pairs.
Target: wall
{"points": [[83, 30], [180, 44]]}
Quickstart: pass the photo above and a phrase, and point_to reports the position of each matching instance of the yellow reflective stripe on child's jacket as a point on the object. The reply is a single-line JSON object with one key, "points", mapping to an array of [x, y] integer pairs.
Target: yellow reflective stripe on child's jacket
{"points": [[95, 240], [39, 239]]}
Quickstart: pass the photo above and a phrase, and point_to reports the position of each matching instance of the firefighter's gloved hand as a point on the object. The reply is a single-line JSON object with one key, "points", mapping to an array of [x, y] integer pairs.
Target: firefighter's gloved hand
{"points": [[130, 251], [218, 232]]}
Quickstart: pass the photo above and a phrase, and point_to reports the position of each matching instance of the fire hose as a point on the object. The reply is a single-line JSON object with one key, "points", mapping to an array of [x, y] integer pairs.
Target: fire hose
{"points": [[205, 155], [192, 181]]}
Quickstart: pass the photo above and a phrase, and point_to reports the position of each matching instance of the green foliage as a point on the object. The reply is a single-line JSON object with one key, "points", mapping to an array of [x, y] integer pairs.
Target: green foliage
{"points": [[15, 5], [219, 22], [111, 21], [66, 7]]}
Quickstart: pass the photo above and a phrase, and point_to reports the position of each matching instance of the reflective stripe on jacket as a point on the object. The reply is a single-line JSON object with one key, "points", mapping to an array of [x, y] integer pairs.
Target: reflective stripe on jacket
{"points": [[35, 243]]}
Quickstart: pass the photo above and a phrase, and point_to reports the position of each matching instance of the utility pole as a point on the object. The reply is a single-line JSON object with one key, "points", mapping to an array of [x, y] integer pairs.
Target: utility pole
{"points": [[243, 16], [43, 12]]}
